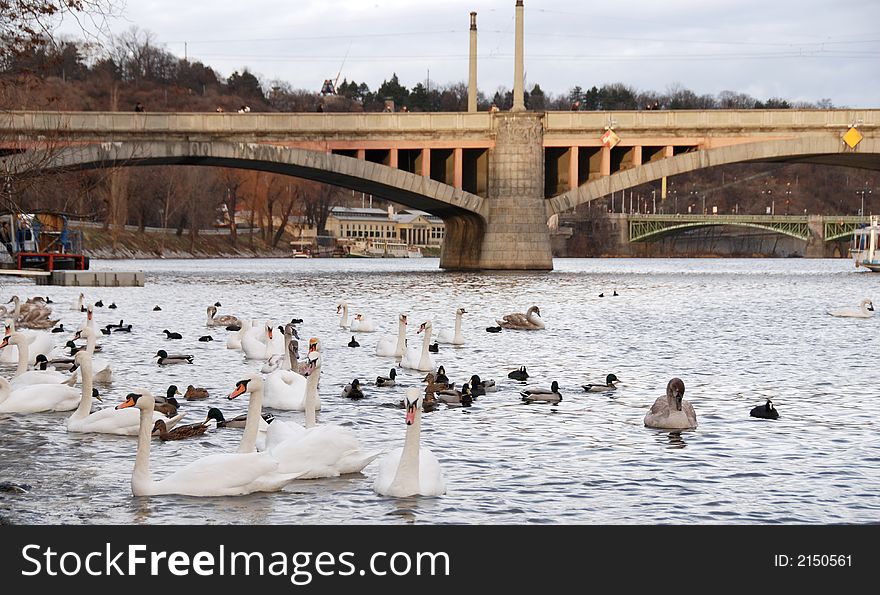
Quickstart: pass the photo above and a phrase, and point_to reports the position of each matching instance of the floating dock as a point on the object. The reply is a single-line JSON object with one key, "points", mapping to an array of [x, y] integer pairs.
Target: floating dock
{"points": [[81, 278]]}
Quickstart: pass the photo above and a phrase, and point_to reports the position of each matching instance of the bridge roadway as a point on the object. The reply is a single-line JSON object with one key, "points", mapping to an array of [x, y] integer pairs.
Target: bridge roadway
{"points": [[495, 179]]}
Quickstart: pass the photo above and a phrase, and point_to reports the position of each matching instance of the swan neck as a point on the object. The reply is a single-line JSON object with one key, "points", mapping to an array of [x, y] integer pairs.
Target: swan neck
{"points": [[401, 338], [311, 399], [406, 480], [252, 425], [287, 362], [85, 401], [458, 325], [22, 357], [90, 343], [141, 474]]}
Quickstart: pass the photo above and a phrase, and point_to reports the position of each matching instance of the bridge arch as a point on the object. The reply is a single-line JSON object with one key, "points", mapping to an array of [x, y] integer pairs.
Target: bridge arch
{"points": [[464, 214], [825, 150], [645, 231]]}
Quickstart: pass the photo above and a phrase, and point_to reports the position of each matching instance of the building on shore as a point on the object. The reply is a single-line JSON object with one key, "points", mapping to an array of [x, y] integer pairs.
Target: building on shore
{"points": [[378, 226]]}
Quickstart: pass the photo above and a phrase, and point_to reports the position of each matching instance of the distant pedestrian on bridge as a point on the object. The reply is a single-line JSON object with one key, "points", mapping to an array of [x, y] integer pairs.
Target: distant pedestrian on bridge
{"points": [[139, 107]]}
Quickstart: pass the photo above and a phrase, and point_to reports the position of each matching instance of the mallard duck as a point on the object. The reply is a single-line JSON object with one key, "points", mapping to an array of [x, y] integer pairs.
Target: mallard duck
{"points": [[180, 432], [671, 411], [441, 375], [167, 406], [387, 380], [520, 374], [481, 387], [603, 388], [177, 358], [765, 411], [353, 342], [433, 386], [353, 390], [542, 395], [238, 421], [171, 335], [62, 364], [74, 348], [451, 395], [194, 394]]}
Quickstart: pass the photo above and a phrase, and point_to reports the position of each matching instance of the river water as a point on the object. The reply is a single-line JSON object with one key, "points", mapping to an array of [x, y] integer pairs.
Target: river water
{"points": [[736, 331]]}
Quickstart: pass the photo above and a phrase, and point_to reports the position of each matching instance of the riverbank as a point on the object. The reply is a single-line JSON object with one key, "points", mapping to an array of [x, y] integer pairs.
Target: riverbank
{"points": [[100, 244]]}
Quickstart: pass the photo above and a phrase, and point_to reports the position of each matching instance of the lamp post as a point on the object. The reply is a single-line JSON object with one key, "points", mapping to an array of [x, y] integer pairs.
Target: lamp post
{"points": [[863, 192], [769, 193], [787, 196]]}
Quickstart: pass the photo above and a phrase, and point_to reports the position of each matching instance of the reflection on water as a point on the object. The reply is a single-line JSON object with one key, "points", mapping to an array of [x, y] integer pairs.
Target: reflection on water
{"points": [[736, 331]]}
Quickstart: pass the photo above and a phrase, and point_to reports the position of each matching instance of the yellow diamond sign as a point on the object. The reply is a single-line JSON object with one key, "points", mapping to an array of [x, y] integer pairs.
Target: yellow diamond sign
{"points": [[852, 137]]}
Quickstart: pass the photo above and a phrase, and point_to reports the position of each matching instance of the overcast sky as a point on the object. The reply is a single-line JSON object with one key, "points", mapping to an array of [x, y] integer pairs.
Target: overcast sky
{"points": [[800, 50]]}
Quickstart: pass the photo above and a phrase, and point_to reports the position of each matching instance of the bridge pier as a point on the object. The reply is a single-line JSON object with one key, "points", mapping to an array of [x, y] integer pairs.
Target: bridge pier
{"points": [[515, 235]]}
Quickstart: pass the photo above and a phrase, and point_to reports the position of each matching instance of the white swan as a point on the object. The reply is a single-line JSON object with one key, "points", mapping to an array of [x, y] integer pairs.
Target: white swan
{"points": [[454, 337], [226, 474], [256, 347], [234, 340], [38, 343], [416, 359], [78, 304], [865, 310], [671, 411], [386, 347], [101, 368], [411, 470], [361, 324], [221, 320], [315, 451], [25, 377], [285, 389], [529, 321], [342, 310], [37, 398], [119, 421]]}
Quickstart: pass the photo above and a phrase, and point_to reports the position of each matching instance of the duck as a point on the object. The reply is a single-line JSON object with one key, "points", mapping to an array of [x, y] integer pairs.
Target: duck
{"points": [[440, 376], [122, 329], [168, 404], [361, 324], [234, 327], [432, 386], [454, 337], [434, 347], [387, 347], [177, 358], [615, 294], [60, 364], [416, 359], [542, 395], [160, 430], [172, 335], [493, 329], [342, 310], [671, 411], [99, 304], [602, 294], [520, 374], [530, 321], [387, 380], [111, 420], [412, 470], [221, 320], [59, 329], [353, 342], [451, 395], [480, 387], [865, 310], [352, 390], [224, 474], [156, 308], [765, 411], [195, 394], [112, 306], [206, 338], [609, 385], [105, 331], [238, 421]]}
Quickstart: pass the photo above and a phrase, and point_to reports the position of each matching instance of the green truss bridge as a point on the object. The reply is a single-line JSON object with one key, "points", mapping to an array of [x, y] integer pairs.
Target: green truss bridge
{"points": [[646, 228]]}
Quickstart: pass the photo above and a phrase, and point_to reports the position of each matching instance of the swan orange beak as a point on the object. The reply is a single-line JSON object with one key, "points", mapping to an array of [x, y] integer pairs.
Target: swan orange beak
{"points": [[411, 413], [240, 389], [129, 402], [313, 344], [421, 328]]}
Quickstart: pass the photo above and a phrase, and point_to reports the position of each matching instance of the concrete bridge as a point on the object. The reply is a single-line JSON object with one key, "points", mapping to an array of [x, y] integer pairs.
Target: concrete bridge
{"points": [[494, 178]]}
